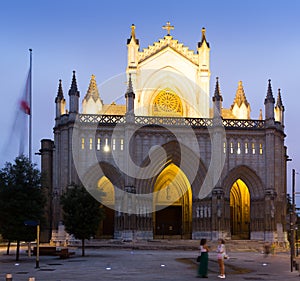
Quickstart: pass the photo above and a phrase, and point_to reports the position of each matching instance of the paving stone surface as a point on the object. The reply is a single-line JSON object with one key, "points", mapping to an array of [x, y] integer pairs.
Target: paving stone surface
{"points": [[125, 263]]}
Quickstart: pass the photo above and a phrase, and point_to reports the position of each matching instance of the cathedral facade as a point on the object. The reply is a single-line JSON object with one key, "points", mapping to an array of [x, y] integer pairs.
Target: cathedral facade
{"points": [[171, 162]]}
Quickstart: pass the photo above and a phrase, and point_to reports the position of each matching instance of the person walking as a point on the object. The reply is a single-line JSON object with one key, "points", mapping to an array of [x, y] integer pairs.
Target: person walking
{"points": [[203, 265], [221, 253]]}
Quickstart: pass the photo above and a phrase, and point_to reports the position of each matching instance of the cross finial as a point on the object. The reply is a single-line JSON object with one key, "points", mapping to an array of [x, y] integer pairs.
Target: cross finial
{"points": [[168, 27]]}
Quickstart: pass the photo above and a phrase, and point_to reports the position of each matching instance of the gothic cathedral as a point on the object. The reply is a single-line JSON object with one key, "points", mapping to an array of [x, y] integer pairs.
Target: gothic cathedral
{"points": [[170, 161]]}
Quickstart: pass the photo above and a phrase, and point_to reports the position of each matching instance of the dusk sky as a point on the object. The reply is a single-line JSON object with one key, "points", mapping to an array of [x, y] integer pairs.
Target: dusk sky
{"points": [[252, 41]]}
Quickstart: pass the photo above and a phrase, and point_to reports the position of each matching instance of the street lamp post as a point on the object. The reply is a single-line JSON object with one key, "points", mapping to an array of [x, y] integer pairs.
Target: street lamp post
{"points": [[37, 224], [292, 222]]}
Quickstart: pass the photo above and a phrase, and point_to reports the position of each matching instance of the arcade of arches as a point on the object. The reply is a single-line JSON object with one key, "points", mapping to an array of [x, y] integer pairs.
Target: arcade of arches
{"points": [[172, 200]]}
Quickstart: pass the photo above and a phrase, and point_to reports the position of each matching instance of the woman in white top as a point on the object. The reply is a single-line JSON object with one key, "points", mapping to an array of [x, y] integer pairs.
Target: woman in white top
{"points": [[221, 250], [203, 266]]}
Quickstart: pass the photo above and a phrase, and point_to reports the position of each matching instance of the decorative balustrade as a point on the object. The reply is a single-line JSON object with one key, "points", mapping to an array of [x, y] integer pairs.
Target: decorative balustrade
{"points": [[102, 119], [171, 121], [243, 124]]}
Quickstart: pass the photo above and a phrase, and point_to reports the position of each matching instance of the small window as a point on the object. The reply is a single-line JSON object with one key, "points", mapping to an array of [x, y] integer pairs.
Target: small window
{"points": [[260, 148], [114, 144], [253, 148], [106, 146], [98, 143], [231, 148], [91, 143], [82, 143], [238, 148], [246, 148], [224, 147], [121, 144]]}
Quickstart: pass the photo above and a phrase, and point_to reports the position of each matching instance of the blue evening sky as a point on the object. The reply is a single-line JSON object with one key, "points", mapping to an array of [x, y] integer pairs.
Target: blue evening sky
{"points": [[252, 41]]}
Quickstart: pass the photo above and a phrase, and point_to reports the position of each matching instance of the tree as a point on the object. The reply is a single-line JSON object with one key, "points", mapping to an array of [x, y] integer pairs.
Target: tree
{"points": [[21, 199], [82, 213]]}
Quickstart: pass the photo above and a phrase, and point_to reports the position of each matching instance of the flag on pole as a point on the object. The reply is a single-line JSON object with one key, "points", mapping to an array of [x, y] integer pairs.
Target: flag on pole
{"points": [[25, 99], [21, 125], [20, 136]]}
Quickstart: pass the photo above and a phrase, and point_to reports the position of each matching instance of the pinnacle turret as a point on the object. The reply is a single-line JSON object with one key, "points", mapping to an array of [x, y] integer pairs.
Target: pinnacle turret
{"points": [[129, 88], [60, 101], [217, 95], [240, 96], [203, 38], [217, 100], [73, 89], [279, 109], [74, 97], [132, 36], [269, 106], [269, 97], [279, 100], [92, 91], [92, 104], [129, 96], [60, 94], [240, 107]]}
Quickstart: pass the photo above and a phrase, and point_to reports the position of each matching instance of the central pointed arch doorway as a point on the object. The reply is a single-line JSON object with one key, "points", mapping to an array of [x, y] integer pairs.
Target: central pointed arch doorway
{"points": [[173, 204], [240, 210]]}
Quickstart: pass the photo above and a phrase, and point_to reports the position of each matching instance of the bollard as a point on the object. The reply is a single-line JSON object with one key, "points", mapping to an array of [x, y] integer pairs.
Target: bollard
{"points": [[8, 277], [31, 279]]}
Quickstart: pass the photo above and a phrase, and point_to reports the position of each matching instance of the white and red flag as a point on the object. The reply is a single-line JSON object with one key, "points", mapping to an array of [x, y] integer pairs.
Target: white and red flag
{"points": [[25, 99], [20, 136]]}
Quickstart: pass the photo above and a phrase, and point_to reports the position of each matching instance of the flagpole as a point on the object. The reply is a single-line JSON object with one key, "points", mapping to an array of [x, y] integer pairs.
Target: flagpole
{"points": [[30, 106]]}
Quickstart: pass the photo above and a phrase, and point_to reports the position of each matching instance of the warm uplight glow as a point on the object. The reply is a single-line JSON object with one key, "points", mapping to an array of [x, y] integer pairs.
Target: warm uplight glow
{"points": [[109, 191], [106, 147], [239, 148], [98, 143], [240, 209]]}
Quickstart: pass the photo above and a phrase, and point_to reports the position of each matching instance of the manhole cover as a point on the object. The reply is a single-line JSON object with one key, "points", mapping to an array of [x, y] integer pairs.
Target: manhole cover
{"points": [[22, 272], [54, 264], [47, 269]]}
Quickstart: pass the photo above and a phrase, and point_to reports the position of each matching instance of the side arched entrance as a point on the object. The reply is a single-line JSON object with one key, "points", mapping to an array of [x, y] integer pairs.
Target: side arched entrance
{"points": [[244, 200], [172, 202], [240, 210]]}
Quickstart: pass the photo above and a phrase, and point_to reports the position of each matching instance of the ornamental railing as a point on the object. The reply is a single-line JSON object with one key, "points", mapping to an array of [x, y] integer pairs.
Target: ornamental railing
{"points": [[248, 124], [171, 121], [102, 119]]}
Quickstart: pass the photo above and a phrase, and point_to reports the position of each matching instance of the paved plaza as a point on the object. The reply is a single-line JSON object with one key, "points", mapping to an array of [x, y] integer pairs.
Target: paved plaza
{"points": [[119, 263]]}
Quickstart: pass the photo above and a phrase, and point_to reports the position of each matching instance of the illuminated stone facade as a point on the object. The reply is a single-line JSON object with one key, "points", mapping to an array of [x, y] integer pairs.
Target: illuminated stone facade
{"points": [[171, 166]]}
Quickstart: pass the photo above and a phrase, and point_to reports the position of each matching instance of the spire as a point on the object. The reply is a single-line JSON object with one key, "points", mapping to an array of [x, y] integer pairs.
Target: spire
{"points": [[129, 88], [129, 99], [279, 109], [240, 107], [60, 101], [269, 97], [279, 100], [203, 38], [132, 36], [217, 96], [60, 94], [74, 90], [260, 115], [269, 106], [92, 91], [240, 96], [74, 98]]}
